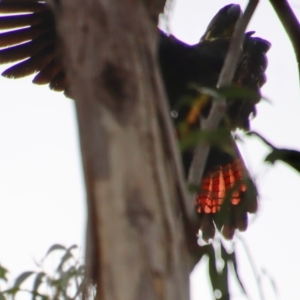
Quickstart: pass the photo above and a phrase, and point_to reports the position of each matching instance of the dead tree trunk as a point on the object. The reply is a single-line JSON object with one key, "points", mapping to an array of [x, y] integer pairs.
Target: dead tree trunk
{"points": [[110, 57]]}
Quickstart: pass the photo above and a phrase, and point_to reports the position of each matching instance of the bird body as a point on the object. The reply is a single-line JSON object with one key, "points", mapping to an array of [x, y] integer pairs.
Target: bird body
{"points": [[185, 67]]}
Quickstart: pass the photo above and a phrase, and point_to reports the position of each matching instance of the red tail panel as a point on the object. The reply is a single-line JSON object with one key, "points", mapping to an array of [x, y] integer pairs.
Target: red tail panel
{"points": [[217, 183]]}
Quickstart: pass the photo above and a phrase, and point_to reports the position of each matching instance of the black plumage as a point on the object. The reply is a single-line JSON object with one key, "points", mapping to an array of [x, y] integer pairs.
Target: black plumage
{"points": [[184, 66], [31, 44]]}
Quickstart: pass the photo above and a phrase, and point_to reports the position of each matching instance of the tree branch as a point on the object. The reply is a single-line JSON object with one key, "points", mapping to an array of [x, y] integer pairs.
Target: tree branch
{"points": [[290, 23], [132, 200], [187, 210]]}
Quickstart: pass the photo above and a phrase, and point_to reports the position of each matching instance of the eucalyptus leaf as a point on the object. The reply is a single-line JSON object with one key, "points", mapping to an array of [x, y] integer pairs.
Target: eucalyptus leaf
{"points": [[223, 285], [290, 157], [217, 137], [236, 93], [66, 257], [231, 92], [55, 247], [233, 260], [21, 278], [3, 273], [219, 280], [37, 283]]}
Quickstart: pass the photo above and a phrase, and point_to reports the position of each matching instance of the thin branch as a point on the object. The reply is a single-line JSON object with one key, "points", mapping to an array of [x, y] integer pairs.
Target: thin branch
{"points": [[219, 107], [189, 217], [290, 23], [235, 46], [253, 267]]}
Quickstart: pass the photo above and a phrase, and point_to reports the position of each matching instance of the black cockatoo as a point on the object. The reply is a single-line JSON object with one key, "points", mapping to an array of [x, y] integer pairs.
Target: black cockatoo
{"points": [[31, 43], [200, 65]]}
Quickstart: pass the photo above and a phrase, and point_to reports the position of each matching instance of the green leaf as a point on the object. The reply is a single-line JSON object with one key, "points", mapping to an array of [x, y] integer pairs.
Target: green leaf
{"points": [[2, 297], [193, 188], [3, 273], [11, 291], [36, 295], [55, 247], [217, 137], [232, 258], [231, 92], [66, 257], [224, 275], [236, 92], [21, 278], [219, 280], [251, 133], [212, 268], [36, 284], [212, 92], [290, 157], [74, 246], [81, 270]]}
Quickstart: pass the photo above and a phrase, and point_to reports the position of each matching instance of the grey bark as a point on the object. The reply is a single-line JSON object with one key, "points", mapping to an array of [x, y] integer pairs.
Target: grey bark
{"points": [[140, 251]]}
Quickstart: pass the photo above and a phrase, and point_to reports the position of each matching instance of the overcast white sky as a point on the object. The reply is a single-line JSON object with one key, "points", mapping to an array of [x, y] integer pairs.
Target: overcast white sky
{"points": [[41, 190]]}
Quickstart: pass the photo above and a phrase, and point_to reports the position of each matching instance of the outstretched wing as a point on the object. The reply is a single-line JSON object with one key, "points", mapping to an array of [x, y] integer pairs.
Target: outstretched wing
{"points": [[30, 43]]}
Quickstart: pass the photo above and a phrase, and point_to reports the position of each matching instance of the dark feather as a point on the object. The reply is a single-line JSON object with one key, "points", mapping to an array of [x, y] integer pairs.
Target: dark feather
{"points": [[17, 6], [27, 49], [59, 82], [31, 65], [17, 21], [48, 73], [22, 35]]}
